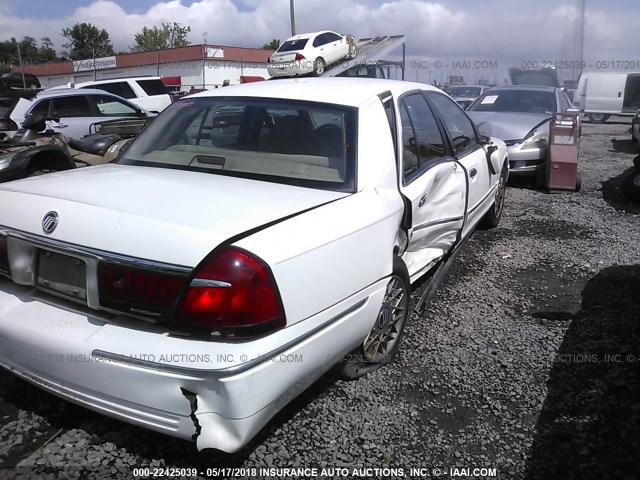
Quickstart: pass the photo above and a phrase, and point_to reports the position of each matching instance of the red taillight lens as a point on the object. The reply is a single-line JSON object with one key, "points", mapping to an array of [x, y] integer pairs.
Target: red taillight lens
{"points": [[4, 256], [134, 290], [7, 124], [299, 56], [235, 294]]}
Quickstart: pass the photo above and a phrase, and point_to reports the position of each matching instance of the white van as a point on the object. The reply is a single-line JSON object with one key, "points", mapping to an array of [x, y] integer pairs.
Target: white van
{"points": [[602, 94], [146, 92]]}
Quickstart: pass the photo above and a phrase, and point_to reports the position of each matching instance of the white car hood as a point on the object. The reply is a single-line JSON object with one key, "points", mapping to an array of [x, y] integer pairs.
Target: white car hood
{"points": [[158, 214]]}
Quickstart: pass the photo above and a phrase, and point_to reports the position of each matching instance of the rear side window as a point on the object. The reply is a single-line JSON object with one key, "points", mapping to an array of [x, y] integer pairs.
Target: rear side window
{"points": [[41, 108], [122, 89], [72, 106], [331, 37], [456, 122], [422, 143], [153, 87]]}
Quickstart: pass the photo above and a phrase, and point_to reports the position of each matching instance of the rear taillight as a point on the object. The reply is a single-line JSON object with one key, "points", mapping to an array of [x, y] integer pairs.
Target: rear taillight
{"points": [[138, 291], [233, 293], [299, 56], [4, 256], [8, 124]]}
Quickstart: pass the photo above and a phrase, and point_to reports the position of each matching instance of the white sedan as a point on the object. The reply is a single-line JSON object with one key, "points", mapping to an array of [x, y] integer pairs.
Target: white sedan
{"points": [[247, 240], [310, 53]]}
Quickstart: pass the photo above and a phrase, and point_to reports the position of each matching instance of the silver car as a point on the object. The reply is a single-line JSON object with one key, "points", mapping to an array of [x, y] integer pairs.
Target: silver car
{"points": [[75, 110], [520, 116], [464, 95]]}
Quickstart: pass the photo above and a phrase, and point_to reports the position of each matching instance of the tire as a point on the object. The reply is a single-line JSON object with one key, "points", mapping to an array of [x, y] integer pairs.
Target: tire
{"points": [[578, 182], [636, 163], [318, 67], [383, 341], [631, 186], [491, 219], [352, 51], [598, 117]]}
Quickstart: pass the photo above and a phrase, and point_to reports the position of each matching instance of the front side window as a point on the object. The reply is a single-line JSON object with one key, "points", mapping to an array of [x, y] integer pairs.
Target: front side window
{"points": [[153, 87], [422, 143], [456, 122], [299, 143], [109, 106]]}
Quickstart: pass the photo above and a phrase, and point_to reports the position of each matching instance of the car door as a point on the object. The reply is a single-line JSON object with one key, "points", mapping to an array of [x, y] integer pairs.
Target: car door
{"points": [[471, 154], [75, 114], [336, 46], [431, 182], [319, 48], [605, 93]]}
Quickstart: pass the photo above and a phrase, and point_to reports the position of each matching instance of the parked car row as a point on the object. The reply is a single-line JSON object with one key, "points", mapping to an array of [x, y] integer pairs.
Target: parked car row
{"points": [[198, 287]]}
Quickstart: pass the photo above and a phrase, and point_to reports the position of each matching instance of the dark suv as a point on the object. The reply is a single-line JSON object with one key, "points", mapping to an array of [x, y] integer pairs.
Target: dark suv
{"points": [[14, 79]]}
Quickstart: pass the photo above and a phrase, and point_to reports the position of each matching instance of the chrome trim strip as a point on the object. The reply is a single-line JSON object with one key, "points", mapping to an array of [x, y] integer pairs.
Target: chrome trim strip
{"points": [[83, 252], [229, 371], [205, 282], [437, 222]]}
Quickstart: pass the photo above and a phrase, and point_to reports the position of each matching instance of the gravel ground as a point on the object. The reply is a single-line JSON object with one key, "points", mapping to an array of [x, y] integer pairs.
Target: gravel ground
{"points": [[527, 361]]}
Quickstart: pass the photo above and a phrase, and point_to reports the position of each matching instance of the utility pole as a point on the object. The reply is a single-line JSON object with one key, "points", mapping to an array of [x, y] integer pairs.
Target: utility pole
{"points": [[581, 7], [24, 83], [93, 53], [204, 56], [293, 18]]}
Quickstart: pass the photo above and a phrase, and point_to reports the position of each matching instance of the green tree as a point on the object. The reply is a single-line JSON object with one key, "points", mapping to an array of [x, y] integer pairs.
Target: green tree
{"points": [[86, 41], [272, 45], [46, 52], [170, 35]]}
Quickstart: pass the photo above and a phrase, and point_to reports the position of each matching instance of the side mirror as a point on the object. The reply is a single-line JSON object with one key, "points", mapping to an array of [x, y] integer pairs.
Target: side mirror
{"points": [[35, 122], [484, 139]]}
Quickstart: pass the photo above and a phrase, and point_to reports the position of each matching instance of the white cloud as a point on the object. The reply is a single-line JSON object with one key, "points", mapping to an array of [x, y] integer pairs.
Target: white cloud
{"points": [[492, 30]]}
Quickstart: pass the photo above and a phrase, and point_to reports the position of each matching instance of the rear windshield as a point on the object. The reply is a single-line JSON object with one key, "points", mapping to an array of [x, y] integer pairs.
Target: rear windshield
{"points": [[6, 106], [519, 101], [283, 141], [153, 87], [292, 45]]}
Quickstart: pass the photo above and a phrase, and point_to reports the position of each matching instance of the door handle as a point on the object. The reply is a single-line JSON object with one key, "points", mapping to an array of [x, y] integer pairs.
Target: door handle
{"points": [[61, 125], [619, 94], [423, 200], [473, 172]]}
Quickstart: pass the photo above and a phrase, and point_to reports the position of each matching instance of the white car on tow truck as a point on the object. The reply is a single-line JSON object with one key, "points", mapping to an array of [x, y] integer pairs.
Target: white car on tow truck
{"points": [[245, 242]]}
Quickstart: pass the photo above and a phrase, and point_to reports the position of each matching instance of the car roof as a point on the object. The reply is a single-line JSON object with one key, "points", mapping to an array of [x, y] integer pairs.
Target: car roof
{"points": [[538, 88], [65, 92], [303, 36], [340, 91]]}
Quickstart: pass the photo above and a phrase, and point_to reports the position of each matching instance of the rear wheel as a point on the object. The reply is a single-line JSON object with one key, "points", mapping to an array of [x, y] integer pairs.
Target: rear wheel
{"points": [[318, 67], [383, 341], [491, 219], [598, 117]]}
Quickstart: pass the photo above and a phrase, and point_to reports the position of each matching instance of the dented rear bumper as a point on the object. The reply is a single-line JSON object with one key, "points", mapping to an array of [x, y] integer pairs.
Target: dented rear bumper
{"points": [[218, 394]]}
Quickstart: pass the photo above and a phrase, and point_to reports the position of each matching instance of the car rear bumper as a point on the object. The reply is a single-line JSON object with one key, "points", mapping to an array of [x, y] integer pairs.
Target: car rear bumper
{"points": [[299, 67], [174, 385]]}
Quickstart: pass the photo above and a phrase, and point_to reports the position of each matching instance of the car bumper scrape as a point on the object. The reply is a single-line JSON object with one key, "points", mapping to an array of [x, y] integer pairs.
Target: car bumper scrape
{"points": [[219, 402]]}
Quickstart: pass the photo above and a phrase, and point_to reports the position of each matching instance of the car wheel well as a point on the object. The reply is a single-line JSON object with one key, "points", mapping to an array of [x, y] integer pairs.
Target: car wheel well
{"points": [[49, 160]]}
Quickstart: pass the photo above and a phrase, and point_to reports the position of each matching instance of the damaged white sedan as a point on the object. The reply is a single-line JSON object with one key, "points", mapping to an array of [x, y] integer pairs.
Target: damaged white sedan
{"points": [[248, 240]]}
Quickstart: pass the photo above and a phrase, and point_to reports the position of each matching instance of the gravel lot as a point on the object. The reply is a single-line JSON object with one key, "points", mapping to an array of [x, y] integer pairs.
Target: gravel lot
{"points": [[527, 361]]}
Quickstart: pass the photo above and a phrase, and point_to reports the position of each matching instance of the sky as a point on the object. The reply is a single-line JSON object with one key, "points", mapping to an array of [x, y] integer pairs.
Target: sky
{"points": [[457, 33]]}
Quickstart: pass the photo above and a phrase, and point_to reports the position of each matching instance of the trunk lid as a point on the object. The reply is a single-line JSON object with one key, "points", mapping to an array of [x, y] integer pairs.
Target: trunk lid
{"points": [[158, 214]]}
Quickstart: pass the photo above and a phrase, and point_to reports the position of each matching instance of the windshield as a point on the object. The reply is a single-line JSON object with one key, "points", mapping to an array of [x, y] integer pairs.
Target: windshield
{"points": [[299, 143], [472, 92], [293, 45], [520, 101]]}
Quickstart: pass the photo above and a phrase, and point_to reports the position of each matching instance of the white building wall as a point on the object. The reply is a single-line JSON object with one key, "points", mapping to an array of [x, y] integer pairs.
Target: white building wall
{"points": [[191, 73]]}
